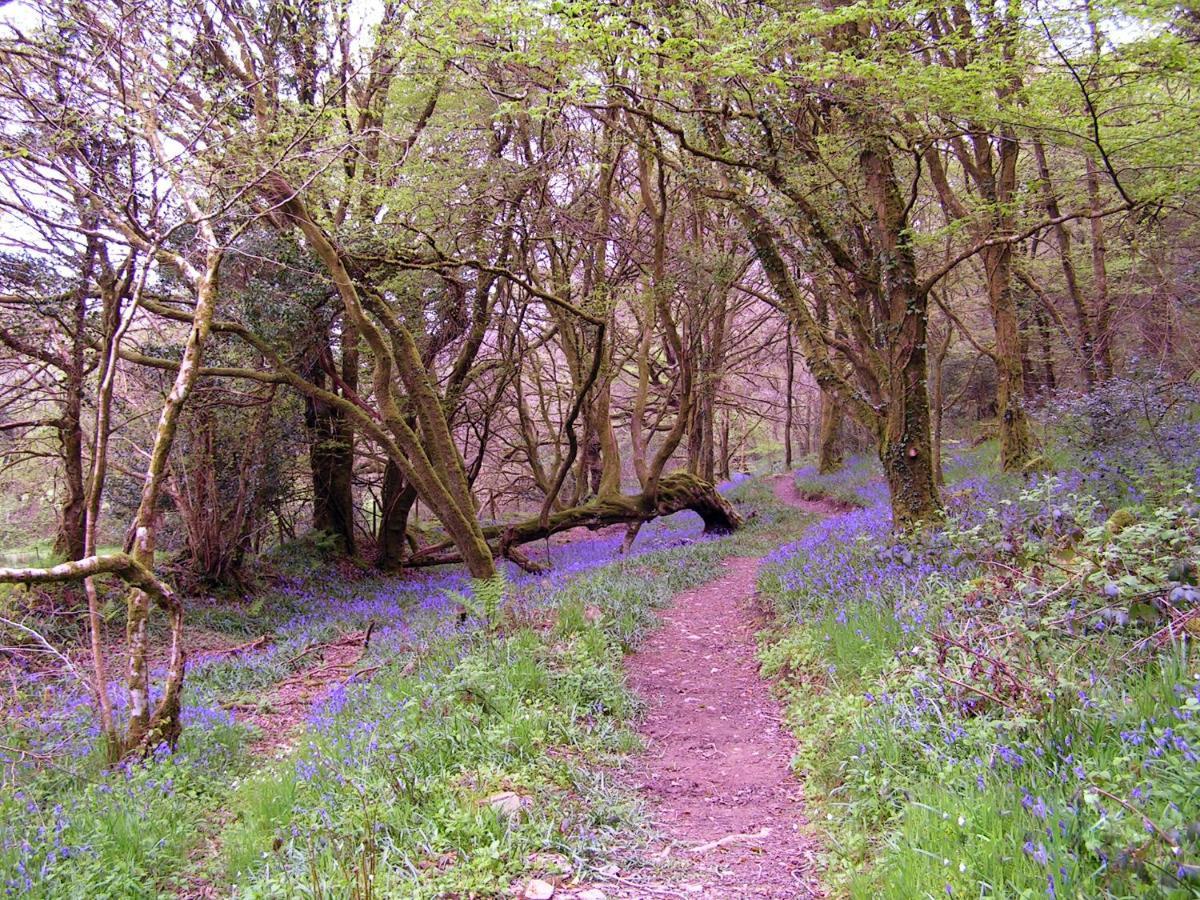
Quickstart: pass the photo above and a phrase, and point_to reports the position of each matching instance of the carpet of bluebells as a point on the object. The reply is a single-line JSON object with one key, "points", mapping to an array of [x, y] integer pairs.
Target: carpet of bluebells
{"points": [[387, 787], [1007, 705]]}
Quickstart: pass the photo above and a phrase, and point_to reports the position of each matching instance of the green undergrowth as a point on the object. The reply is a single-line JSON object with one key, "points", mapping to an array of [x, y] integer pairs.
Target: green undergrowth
{"points": [[468, 756], [75, 830], [462, 758], [998, 709], [458, 768]]}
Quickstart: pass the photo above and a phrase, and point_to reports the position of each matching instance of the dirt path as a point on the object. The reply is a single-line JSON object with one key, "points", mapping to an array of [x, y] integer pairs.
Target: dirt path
{"points": [[717, 772]]}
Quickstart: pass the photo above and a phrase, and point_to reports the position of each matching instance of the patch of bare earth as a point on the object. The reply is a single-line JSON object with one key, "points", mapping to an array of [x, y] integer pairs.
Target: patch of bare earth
{"points": [[285, 710]]}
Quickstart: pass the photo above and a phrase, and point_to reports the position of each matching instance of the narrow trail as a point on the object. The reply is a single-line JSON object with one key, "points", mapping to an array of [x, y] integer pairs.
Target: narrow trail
{"points": [[717, 772]]}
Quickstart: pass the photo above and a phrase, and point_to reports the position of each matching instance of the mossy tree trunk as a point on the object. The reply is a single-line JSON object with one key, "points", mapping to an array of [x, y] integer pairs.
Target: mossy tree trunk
{"points": [[988, 158], [426, 454], [150, 724], [996, 176], [1016, 438], [906, 451], [937, 396], [331, 461], [891, 397], [905, 438], [149, 727], [829, 449], [69, 542]]}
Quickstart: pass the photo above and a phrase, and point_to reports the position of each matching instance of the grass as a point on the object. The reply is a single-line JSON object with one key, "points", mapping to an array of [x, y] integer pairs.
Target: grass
{"points": [[392, 787], [1041, 759], [848, 487], [397, 778], [83, 832]]}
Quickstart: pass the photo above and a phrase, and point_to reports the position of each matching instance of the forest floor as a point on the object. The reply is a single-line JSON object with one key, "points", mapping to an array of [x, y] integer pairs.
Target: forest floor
{"points": [[301, 696], [716, 776], [622, 726]]}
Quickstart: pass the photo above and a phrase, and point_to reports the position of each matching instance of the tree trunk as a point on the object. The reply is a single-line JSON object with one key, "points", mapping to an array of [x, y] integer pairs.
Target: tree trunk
{"points": [[150, 727], [724, 473], [1083, 319], [330, 459], [72, 525], [329, 455], [995, 177], [829, 451], [69, 542], [905, 440], [397, 502], [1016, 439], [1049, 380], [791, 403], [906, 453], [937, 399]]}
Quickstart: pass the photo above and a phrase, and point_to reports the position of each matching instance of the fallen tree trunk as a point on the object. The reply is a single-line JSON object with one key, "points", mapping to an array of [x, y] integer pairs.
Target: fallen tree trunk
{"points": [[676, 492]]}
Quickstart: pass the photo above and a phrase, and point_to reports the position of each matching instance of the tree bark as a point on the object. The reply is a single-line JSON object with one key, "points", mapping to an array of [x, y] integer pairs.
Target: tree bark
{"points": [[330, 460], [937, 395], [905, 439], [1016, 438], [789, 389], [829, 450], [150, 727], [397, 499], [428, 457], [676, 492], [72, 525], [995, 177], [330, 453], [69, 542], [906, 453]]}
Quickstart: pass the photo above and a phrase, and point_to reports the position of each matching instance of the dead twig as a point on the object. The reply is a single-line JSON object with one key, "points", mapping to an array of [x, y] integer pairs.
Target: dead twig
{"points": [[255, 644], [1167, 632], [46, 647], [730, 839], [980, 691], [342, 641], [1146, 820]]}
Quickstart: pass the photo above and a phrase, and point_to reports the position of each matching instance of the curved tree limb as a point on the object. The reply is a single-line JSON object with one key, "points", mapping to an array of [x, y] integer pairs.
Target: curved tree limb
{"points": [[676, 492]]}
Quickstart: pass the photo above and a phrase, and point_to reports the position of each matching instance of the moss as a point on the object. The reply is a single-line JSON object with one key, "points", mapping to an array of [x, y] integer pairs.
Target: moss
{"points": [[1121, 519], [1036, 464]]}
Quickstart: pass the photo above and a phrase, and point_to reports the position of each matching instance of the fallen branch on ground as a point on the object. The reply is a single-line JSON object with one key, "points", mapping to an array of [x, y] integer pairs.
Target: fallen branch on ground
{"points": [[729, 839], [676, 492], [240, 648]]}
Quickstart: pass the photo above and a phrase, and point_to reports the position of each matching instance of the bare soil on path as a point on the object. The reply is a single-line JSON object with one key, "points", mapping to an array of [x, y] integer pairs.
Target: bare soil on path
{"points": [[717, 772]]}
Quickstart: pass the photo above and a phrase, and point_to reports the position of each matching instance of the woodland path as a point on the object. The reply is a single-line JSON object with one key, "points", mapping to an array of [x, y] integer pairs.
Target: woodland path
{"points": [[717, 771]]}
